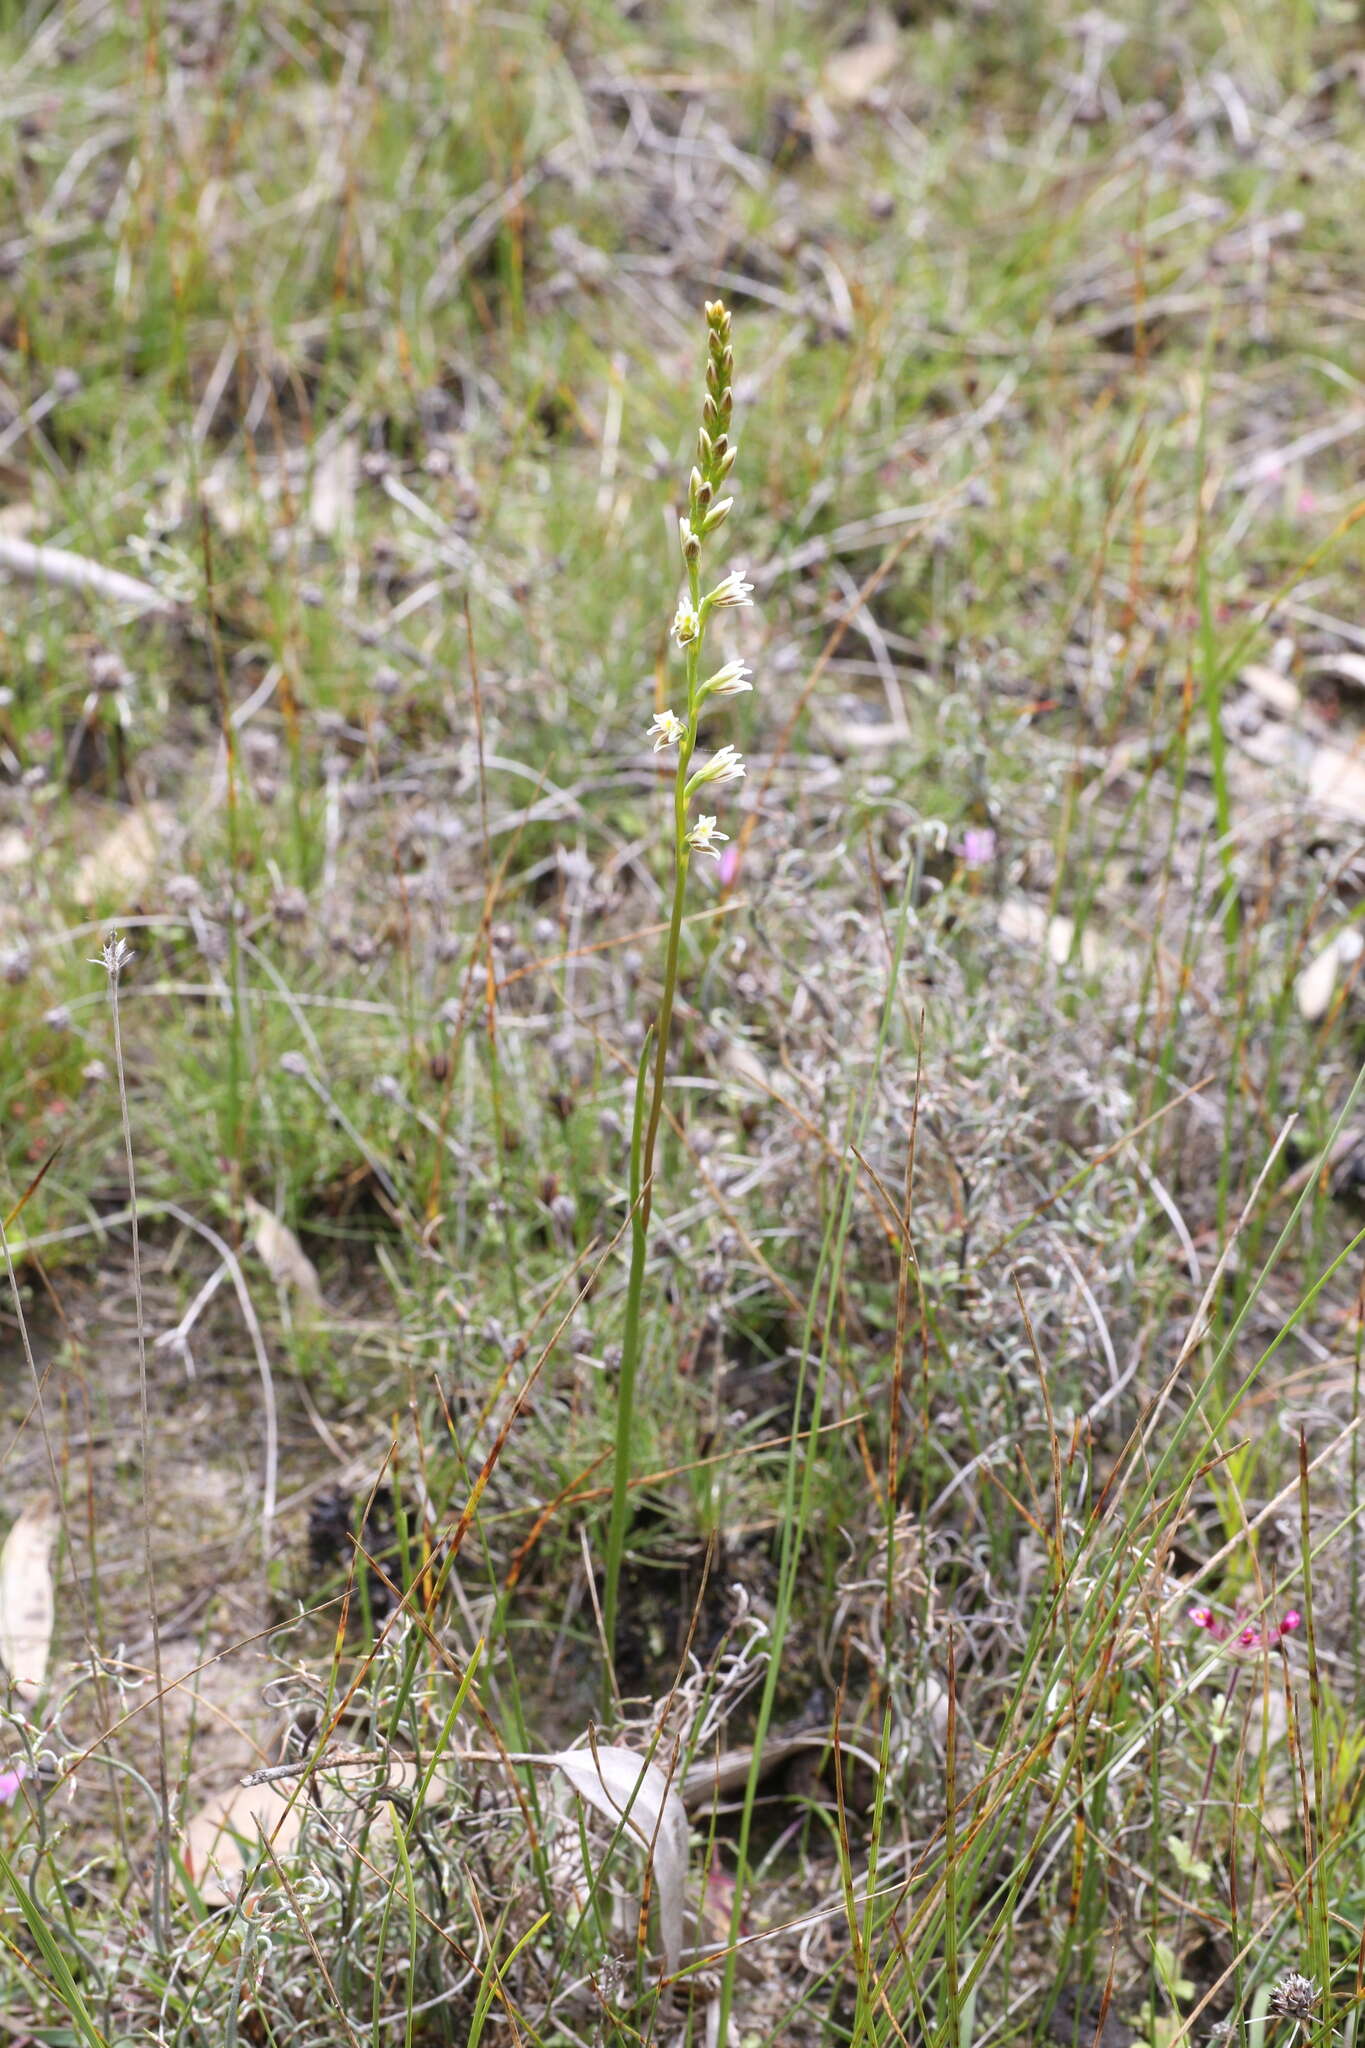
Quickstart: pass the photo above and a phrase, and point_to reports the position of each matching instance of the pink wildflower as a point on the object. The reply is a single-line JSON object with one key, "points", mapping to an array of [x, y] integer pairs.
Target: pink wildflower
{"points": [[1249, 1635], [978, 846], [10, 1781]]}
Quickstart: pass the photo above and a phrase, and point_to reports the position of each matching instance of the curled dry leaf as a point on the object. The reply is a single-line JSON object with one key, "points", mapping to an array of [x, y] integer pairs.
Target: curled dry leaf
{"points": [[1344, 665], [283, 1257], [1272, 689], [852, 75], [223, 1840], [623, 1787], [27, 1609]]}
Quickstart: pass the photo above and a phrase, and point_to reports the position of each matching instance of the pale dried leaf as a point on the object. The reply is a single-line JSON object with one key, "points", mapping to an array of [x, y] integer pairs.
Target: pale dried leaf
{"points": [[1027, 923], [16, 849], [1316, 985], [283, 1257], [19, 518], [224, 1838], [27, 1608], [619, 1783], [120, 867], [1024, 922], [1336, 780], [852, 75], [331, 501], [233, 506], [1349, 667], [1275, 691]]}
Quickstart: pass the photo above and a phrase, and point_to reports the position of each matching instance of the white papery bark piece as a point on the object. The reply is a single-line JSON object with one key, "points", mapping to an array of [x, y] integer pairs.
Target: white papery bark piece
{"points": [[627, 1790], [27, 1606]]}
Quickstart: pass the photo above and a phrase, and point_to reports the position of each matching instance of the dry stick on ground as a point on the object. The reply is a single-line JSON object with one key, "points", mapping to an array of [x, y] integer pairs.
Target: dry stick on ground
{"points": [[34, 563]]}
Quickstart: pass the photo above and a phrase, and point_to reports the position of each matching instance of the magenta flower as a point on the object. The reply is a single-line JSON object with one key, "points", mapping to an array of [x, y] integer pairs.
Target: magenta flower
{"points": [[978, 846], [1248, 1636], [10, 1781]]}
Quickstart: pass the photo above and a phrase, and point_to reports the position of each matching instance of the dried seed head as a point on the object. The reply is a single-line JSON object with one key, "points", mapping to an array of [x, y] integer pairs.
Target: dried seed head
{"points": [[1294, 1996], [115, 956]]}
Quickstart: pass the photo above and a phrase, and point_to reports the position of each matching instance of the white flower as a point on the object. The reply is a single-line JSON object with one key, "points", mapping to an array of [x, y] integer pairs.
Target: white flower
{"points": [[734, 590], [666, 730], [724, 765], [686, 623], [688, 540], [705, 838], [730, 681]]}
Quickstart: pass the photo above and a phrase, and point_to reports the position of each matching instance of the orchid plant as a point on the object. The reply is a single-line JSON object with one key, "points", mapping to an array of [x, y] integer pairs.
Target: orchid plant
{"points": [[708, 507]]}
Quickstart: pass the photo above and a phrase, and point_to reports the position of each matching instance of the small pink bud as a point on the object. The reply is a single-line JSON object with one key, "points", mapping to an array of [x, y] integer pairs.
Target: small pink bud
{"points": [[1249, 1638], [1291, 1621]]}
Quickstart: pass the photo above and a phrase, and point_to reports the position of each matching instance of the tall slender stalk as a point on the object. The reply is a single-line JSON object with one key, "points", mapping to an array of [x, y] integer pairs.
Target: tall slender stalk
{"points": [[115, 957], [706, 511]]}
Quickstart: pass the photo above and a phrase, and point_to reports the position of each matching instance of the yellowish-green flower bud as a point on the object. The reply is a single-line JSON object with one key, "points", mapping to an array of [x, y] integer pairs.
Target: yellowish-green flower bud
{"points": [[725, 765]]}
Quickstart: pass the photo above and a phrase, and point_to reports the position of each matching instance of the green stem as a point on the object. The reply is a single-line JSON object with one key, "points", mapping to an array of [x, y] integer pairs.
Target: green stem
{"points": [[644, 1137]]}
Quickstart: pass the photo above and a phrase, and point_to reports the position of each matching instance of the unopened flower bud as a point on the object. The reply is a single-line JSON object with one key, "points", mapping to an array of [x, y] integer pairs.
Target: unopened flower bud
{"points": [[718, 513], [730, 681], [724, 765], [705, 449], [691, 544]]}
